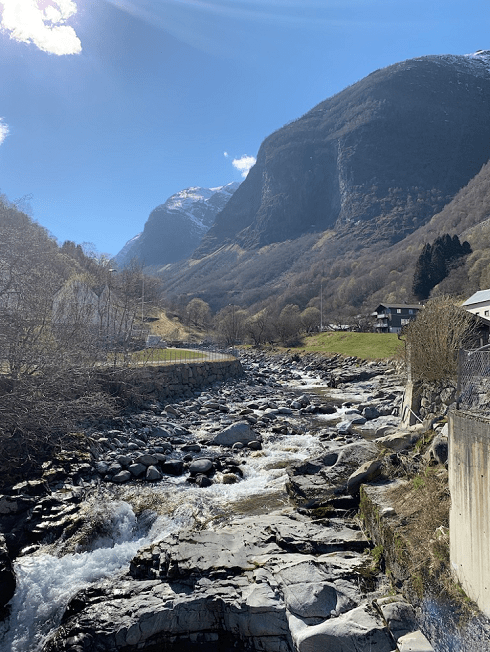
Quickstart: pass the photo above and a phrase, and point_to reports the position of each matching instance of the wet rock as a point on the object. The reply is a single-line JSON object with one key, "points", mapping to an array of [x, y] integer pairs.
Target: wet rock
{"points": [[121, 477], [202, 465], [239, 432], [172, 467], [137, 470], [7, 576], [146, 460], [153, 474]]}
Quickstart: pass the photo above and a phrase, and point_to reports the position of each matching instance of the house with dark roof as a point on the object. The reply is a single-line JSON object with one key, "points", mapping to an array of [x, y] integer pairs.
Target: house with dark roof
{"points": [[391, 317]]}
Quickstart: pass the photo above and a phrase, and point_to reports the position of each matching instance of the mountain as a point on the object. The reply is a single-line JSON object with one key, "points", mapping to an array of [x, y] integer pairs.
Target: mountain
{"points": [[334, 192], [174, 229]]}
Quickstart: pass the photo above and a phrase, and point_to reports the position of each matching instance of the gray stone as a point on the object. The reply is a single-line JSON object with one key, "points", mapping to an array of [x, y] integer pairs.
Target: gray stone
{"points": [[366, 473], [414, 642], [153, 474], [121, 477], [202, 465], [137, 470], [147, 460], [399, 615], [239, 432], [360, 629]]}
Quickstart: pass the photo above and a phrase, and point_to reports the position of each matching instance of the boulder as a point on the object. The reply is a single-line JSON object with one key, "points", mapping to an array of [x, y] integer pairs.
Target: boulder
{"points": [[239, 432], [121, 477], [414, 642], [360, 629], [398, 614], [146, 460], [153, 474], [365, 473], [202, 465]]}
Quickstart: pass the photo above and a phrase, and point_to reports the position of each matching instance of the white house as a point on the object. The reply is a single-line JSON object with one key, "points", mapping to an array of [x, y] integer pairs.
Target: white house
{"points": [[479, 304]]}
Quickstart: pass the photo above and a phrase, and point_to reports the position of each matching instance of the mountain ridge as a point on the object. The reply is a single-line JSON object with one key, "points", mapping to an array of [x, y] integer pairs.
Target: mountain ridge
{"points": [[348, 180], [175, 228]]}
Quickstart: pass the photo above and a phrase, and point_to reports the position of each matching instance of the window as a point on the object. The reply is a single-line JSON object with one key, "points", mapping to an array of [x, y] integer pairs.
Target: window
{"points": [[399, 311]]}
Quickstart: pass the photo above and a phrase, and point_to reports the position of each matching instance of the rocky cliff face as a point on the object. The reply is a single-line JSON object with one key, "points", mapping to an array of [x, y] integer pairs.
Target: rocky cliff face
{"points": [[174, 229], [377, 160], [354, 176]]}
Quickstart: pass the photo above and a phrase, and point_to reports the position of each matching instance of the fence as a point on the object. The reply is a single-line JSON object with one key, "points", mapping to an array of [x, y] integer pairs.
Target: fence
{"points": [[474, 380], [183, 352]]}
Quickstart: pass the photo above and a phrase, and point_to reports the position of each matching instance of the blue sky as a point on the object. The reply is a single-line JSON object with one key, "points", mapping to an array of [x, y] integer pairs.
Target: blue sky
{"points": [[109, 107]]}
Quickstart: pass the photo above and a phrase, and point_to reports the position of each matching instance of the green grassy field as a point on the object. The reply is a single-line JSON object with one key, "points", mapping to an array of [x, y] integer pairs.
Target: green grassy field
{"points": [[369, 346]]}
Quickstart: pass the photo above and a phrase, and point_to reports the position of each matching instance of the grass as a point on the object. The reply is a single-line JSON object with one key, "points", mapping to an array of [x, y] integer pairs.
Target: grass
{"points": [[368, 346], [166, 355]]}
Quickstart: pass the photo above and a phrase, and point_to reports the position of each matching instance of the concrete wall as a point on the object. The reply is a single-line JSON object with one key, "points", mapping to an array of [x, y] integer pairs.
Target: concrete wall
{"points": [[469, 484], [166, 382]]}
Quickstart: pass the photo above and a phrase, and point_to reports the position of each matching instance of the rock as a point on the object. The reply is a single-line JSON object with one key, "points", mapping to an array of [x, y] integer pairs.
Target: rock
{"points": [[7, 576], [370, 412], [397, 441], [366, 473], [202, 465], [414, 642], [121, 477], [203, 481], [123, 460], [239, 432], [172, 467], [438, 450], [344, 427], [255, 445], [153, 474], [399, 615], [146, 460], [360, 629], [137, 470]]}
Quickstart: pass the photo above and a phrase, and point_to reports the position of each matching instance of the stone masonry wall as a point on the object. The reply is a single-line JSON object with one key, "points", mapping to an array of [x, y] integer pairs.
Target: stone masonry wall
{"points": [[469, 484], [167, 382]]}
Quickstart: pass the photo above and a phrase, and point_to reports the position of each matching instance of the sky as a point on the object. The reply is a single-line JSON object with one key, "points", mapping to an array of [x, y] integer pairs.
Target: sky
{"points": [[108, 107]]}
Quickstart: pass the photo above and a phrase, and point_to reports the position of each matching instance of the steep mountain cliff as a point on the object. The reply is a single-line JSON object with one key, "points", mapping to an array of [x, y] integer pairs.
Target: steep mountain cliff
{"points": [[174, 229], [351, 178]]}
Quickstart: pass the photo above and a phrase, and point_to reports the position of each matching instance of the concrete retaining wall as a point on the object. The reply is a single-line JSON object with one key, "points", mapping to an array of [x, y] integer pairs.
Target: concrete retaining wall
{"points": [[469, 484], [166, 382]]}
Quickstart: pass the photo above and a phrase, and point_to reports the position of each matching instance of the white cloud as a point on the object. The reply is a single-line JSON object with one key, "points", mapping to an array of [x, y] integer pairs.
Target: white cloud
{"points": [[45, 27], [225, 154], [243, 164], [4, 131]]}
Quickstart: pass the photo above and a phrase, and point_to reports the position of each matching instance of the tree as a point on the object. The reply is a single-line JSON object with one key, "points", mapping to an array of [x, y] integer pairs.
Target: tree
{"points": [[198, 313], [229, 324], [310, 319], [435, 262], [259, 327], [434, 338], [289, 325]]}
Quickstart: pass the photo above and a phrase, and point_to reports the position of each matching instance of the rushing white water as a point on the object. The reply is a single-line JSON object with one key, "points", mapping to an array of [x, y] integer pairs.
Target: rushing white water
{"points": [[45, 583]]}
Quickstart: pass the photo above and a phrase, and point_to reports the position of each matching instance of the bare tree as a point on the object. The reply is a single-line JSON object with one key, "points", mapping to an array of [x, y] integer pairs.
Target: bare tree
{"points": [[434, 337], [198, 313]]}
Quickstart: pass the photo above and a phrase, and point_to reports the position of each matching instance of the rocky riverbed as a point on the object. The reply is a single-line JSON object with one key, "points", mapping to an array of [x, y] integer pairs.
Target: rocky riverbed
{"points": [[224, 520]]}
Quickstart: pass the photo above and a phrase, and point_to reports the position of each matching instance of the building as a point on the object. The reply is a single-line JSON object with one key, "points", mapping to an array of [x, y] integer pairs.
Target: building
{"points": [[391, 317], [479, 304]]}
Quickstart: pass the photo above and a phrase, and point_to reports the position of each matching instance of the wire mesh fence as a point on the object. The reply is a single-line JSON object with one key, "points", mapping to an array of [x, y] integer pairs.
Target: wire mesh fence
{"points": [[183, 353], [474, 380]]}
